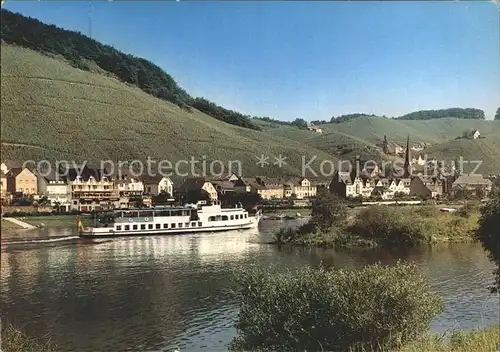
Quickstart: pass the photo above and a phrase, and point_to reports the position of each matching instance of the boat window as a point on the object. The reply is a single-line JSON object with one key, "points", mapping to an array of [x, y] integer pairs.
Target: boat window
{"points": [[199, 224], [165, 226], [146, 214], [224, 217], [143, 226], [118, 228], [134, 227], [129, 214], [211, 218], [150, 226], [232, 217], [180, 224], [176, 212], [173, 226], [163, 213], [186, 224], [127, 227], [186, 212], [246, 215], [158, 226], [193, 224]]}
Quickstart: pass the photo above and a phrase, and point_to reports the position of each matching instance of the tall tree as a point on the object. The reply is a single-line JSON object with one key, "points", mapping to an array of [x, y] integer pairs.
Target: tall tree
{"points": [[489, 233]]}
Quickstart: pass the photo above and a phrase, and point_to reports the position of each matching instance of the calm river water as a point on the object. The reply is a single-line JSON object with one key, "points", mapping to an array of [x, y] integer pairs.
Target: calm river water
{"points": [[161, 293]]}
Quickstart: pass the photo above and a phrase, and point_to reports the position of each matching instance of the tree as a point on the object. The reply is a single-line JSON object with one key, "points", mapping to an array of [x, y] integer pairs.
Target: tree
{"points": [[327, 210], [136, 202], [301, 123], [194, 195], [161, 199], [488, 232], [44, 201], [497, 115]]}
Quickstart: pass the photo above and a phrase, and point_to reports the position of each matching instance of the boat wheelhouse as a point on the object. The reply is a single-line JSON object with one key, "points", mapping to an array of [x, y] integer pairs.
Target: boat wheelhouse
{"points": [[171, 220]]}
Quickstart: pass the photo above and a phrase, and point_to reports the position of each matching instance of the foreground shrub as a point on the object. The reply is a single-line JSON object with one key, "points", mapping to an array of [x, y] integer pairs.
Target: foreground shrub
{"points": [[377, 307], [14, 340]]}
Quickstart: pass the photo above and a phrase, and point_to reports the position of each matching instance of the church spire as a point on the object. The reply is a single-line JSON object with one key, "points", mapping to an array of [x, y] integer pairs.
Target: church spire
{"points": [[408, 161]]}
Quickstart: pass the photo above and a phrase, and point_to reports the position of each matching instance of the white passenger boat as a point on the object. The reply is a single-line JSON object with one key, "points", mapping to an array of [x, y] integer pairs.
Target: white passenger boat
{"points": [[171, 220]]}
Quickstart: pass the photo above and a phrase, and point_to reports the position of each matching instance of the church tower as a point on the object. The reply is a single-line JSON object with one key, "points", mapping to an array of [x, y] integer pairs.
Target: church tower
{"points": [[407, 166]]}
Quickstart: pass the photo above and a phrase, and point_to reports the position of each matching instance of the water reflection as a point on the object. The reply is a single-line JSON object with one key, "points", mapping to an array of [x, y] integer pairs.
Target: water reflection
{"points": [[155, 293]]}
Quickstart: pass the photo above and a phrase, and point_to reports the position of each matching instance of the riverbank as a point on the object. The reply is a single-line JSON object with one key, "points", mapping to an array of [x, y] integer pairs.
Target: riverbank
{"points": [[385, 226]]}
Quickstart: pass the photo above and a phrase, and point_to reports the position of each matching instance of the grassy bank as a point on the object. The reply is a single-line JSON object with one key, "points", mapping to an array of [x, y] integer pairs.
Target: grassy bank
{"points": [[14, 340], [389, 227], [483, 340]]}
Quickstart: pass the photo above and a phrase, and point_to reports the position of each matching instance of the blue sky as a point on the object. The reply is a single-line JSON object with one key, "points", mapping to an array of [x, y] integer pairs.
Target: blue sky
{"points": [[306, 59]]}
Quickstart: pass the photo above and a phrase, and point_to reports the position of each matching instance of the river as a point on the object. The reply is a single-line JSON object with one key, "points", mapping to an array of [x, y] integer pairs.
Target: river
{"points": [[166, 292]]}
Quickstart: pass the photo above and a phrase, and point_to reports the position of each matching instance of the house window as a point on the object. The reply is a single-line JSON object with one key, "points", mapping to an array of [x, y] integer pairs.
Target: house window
{"points": [[165, 226], [118, 228], [75, 202], [143, 227], [149, 189], [158, 226], [134, 227], [127, 227], [150, 226]]}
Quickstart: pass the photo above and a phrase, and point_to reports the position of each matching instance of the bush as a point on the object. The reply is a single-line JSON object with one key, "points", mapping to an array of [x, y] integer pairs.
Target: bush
{"points": [[377, 307], [389, 227]]}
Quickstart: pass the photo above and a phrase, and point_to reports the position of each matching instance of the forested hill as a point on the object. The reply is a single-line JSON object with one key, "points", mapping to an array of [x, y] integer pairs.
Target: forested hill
{"points": [[458, 113], [85, 53]]}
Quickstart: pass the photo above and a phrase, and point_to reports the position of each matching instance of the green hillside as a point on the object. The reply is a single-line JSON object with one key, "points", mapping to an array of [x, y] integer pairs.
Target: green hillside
{"points": [[51, 110]]}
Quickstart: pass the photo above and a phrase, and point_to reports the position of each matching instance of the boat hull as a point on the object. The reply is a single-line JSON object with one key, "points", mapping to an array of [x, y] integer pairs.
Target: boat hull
{"points": [[161, 232]]}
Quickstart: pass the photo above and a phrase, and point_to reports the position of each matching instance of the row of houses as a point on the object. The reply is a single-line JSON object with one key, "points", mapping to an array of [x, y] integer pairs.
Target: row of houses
{"points": [[91, 189], [352, 185]]}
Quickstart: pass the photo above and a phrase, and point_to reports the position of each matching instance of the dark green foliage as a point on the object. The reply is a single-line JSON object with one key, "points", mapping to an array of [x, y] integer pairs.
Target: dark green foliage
{"points": [[389, 227], [268, 119], [458, 113], [136, 202], [301, 123], [348, 117], [327, 210], [374, 308], [488, 232], [81, 51], [318, 122], [220, 113], [162, 198], [497, 115], [194, 195]]}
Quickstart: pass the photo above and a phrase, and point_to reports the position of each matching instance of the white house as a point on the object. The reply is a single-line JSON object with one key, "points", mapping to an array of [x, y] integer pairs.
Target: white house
{"points": [[154, 185], [55, 188]]}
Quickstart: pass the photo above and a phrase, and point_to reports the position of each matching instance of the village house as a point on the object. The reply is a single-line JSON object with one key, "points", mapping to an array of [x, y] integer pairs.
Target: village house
{"points": [[426, 187], [128, 187], [473, 134], [90, 189], [223, 187], [21, 181], [196, 185], [241, 186], [3, 187], [154, 185], [55, 188], [267, 188], [475, 184], [300, 188], [313, 128]]}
